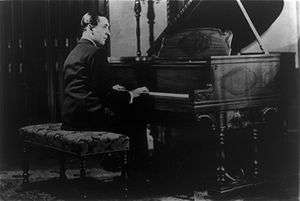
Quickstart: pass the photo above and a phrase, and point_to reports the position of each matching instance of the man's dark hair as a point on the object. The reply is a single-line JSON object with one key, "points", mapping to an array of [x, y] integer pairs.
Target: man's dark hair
{"points": [[90, 18]]}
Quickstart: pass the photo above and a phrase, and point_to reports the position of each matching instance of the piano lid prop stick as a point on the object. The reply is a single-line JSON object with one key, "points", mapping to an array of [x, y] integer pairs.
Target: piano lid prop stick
{"points": [[252, 27]]}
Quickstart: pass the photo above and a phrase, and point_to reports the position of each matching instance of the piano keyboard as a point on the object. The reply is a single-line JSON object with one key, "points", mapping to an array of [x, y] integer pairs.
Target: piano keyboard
{"points": [[171, 95]]}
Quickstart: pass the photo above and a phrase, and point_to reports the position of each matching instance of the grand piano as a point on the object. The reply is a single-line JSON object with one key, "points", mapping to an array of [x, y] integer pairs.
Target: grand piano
{"points": [[233, 90]]}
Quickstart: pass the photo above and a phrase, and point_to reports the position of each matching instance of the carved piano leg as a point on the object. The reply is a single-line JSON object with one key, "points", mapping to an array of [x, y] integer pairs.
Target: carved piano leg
{"points": [[219, 132], [221, 152], [221, 158], [224, 181], [255, 152]]}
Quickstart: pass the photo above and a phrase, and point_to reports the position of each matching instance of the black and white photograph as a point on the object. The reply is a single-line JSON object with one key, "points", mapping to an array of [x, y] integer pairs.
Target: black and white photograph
{"points": [[149, 100]]}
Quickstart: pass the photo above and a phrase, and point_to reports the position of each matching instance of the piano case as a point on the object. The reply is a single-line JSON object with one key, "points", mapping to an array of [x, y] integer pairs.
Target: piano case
{"points": [[196, 43]]}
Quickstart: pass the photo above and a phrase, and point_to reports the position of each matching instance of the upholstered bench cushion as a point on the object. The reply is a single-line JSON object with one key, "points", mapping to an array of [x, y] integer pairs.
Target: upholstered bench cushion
{"points": [[78, 142]]}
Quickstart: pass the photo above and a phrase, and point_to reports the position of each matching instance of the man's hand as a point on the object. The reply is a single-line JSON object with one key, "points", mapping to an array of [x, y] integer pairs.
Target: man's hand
{"points": [[138, 91], [119, 88]]}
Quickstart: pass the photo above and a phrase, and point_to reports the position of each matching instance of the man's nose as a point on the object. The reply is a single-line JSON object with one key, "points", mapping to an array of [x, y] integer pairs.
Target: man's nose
{"points": [[108, 32]]}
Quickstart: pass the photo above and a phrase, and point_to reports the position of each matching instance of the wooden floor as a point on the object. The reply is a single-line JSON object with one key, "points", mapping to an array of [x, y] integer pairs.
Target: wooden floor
{"points": [[174, 180]]}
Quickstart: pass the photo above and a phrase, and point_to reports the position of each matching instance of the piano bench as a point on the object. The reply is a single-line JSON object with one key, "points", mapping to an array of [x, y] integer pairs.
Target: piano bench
{"points": [[81, 144]]}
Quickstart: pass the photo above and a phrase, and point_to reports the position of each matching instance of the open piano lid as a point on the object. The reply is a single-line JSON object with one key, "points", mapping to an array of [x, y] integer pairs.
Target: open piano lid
{"points": [[225, 15]]}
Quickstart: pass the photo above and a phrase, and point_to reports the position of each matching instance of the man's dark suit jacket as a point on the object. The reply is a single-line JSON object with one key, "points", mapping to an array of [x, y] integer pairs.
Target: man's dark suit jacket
{"points": [[87, 85]]}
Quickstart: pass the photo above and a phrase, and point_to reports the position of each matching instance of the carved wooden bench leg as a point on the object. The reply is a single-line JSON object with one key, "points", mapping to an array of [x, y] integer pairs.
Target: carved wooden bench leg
{"points": [[124, 174], [25, 163], [62, 167], [82, 167], [42, 136]]}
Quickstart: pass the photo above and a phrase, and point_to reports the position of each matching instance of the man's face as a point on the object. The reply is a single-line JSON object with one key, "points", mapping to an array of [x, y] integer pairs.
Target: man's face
{"points": [[101, 31]]}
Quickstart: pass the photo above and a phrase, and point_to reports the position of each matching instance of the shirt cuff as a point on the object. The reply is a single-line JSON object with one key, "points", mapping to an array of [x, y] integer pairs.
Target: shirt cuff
{"points": [[131, 97]]}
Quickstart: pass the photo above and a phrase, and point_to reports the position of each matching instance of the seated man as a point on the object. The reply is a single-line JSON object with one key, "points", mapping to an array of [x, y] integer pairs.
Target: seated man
{"points": [[93, 99]]}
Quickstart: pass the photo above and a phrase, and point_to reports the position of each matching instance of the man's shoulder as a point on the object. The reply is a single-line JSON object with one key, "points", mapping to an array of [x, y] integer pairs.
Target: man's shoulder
{"points": [[88, 49], [83, 51]]}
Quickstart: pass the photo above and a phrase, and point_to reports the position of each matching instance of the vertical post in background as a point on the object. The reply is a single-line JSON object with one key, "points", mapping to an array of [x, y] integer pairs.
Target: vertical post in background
{"points": [[24, 86], [137, 10], [151, 17], [2, 64], [298, 34], [50, 64], [48, 47]]}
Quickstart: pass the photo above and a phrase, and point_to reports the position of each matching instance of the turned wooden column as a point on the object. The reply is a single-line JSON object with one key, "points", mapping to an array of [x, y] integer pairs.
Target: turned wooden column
{"points": [[137, 10], [151, 17], [221, 150]]}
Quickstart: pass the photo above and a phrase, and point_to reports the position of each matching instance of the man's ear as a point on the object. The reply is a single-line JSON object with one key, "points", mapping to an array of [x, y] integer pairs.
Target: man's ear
{"points": [[90, 29]]}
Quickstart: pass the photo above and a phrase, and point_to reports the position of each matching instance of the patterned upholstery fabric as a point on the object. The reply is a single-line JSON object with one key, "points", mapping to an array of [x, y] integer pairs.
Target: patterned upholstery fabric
{"points": [[78, 142]]}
